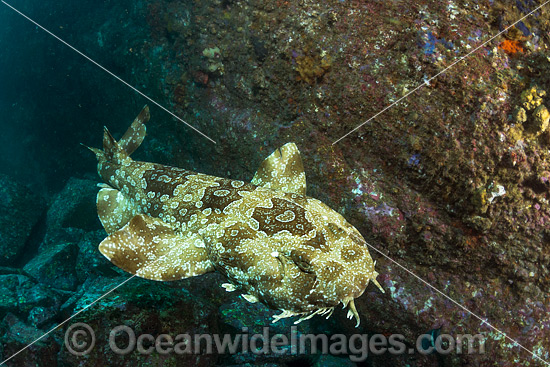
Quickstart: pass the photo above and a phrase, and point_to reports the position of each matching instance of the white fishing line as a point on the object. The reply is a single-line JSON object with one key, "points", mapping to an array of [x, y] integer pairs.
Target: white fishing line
{"points": [[483, 321], [109, 72], [427, 81]]}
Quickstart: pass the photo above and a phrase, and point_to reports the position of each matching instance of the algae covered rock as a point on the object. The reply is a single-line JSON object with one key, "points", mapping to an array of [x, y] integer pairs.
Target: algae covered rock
{"points": [[144, 307], [311, 68], [532, 97], [533, 115], [520, 115], [540, 119], [213, 56]]}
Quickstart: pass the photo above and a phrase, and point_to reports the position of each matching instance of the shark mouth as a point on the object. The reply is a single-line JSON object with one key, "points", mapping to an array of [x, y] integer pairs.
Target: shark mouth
{"points": [[346, 302], [326, 311], [304, 315]]}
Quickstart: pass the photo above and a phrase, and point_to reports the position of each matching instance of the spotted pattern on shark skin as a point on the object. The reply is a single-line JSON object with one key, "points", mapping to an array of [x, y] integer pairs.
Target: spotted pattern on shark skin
{"points": [[147, 241], [273, 243]]}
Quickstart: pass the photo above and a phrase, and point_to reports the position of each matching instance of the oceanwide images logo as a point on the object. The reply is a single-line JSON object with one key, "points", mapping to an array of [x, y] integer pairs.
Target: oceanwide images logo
{"points": [[80, 340]]}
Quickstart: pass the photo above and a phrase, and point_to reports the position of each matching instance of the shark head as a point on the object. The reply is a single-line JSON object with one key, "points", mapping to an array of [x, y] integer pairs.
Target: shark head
{"points": [[341, 262]]}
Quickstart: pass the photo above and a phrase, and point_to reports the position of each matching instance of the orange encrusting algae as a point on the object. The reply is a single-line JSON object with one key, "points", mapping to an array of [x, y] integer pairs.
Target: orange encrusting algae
{"points": [[511, 47]]}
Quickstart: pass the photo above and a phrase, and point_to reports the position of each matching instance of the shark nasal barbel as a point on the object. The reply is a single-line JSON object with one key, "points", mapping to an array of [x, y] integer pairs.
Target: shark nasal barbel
{"points": [[272, 242]]}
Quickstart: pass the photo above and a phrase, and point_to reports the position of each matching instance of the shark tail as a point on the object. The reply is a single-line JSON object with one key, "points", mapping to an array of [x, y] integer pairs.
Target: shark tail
{"points": [[133, 137], [117, 152]]}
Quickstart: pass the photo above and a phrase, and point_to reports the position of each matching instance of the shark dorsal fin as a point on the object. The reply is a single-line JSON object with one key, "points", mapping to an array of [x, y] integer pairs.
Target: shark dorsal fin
{"points": [[282, 170]]}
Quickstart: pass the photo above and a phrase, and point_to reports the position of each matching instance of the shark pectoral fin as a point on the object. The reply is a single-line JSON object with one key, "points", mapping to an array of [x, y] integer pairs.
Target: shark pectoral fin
{"points": [[282, 170], [149, 248], [133, 137], [114, 209]]}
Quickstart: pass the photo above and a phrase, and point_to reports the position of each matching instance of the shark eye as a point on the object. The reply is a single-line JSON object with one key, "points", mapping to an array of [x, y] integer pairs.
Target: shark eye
{"points": [[302, 261]]}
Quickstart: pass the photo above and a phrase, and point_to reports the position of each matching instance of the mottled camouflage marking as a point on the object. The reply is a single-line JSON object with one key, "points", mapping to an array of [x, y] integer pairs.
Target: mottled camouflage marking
{"points": [[282, 215], [272, 242]]}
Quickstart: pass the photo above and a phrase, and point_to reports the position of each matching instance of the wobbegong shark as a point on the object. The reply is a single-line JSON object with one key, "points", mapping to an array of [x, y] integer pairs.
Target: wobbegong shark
{"points": [[273, 243]]}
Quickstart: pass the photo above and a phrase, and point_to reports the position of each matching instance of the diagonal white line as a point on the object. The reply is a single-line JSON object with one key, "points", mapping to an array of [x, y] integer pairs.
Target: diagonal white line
{"points": [[139, 92], [64, 322], [427, 82], [109, 72], [84, 309], [483, 321]]}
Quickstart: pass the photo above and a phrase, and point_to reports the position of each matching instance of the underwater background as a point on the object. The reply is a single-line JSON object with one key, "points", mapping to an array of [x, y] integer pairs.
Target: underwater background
{"points": [[452, 182]]}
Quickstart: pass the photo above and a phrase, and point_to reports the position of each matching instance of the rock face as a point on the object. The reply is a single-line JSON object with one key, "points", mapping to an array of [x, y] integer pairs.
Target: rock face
{"points": [[136, 315], [452, 182], [20, 210], [18, 335], [55, 265], [19, 292], [88, 263], [74, 207]]}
